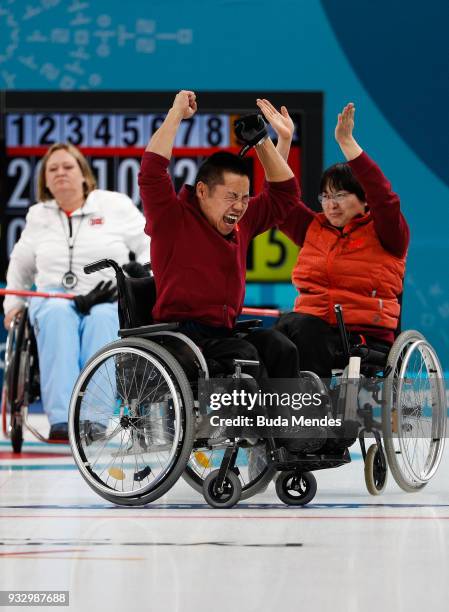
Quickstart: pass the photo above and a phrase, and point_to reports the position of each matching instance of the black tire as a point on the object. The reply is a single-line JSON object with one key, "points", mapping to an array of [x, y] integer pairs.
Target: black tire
{"points": [[12, 379], [376, 474], [231, 492], [180, 448], [13, 369], [16, 438], [409, 474], [195, 477], [295, 488]]}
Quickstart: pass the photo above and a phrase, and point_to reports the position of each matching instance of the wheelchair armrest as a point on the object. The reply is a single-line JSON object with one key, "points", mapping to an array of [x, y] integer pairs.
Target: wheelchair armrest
{"points": [[147, 330], [245, 326], [370, 355]]}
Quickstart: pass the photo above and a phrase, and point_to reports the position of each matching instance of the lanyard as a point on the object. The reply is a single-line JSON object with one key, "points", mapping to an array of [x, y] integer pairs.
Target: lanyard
{"points": [[71, 239], [69, 280]]}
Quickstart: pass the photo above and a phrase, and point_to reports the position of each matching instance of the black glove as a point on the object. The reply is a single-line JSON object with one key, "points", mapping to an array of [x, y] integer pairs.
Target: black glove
{"points": [[103, 292], [250, 130], [136, 270]]}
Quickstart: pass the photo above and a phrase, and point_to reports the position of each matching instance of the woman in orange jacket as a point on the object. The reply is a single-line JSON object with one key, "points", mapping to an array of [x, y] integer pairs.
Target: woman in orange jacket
{"points": [[353, 253]]}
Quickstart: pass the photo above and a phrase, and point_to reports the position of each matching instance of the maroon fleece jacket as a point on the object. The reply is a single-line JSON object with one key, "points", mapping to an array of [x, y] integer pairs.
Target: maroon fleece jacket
{"points": [[200, 274]]}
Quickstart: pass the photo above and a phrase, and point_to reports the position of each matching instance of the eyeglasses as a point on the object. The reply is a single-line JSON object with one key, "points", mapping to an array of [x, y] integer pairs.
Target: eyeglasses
{"points": [[325, 198]]}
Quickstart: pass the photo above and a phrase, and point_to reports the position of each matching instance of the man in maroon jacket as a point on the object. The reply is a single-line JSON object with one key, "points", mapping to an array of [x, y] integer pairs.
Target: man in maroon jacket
{"points": [[199, 243]]}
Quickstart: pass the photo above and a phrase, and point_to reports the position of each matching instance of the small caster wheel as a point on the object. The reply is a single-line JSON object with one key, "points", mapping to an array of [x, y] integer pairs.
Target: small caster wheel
{"points": [[375, 473], [296, 489], [16, 438], [228, 497]]}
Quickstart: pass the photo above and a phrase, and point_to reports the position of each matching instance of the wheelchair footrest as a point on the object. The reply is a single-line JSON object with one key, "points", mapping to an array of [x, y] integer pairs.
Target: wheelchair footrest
{"points": [[313, 462]]}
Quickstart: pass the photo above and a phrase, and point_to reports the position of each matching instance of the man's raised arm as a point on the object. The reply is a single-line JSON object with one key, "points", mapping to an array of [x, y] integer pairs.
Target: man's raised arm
{"points": [[281, 191], [276, 168], [156, 188], [252, 131], [184, 107], [282, 124], [273, 161]]}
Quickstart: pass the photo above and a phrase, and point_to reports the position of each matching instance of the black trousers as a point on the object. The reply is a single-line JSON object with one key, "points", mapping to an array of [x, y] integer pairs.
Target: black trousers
{"points": [[277, 354], [316, 341]]}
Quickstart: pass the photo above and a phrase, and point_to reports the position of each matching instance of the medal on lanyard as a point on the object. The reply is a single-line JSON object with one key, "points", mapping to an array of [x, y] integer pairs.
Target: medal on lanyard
{"points": [[70, 279]]}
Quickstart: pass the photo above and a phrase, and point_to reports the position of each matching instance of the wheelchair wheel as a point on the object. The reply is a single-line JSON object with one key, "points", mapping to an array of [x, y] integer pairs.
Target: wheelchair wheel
{"points": [[136, 399], [375, 473], [228, 497], [254, 472], [296, 488], [413, 411], [13, 382], [16, 437]]}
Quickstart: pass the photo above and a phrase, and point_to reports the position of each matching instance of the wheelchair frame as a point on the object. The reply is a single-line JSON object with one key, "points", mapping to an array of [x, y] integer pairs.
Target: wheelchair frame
{"points": [[223, 487], [295, 484], [20, 381], [395, 419]]}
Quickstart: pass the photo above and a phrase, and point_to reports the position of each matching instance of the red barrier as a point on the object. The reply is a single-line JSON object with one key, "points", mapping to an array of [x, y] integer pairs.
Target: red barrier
{"points": [[261, 312], [43, 294], [250, 310]]}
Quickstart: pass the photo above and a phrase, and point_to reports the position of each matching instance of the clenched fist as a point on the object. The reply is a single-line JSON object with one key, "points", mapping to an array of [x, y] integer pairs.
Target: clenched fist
{"points": [[185, 104]]}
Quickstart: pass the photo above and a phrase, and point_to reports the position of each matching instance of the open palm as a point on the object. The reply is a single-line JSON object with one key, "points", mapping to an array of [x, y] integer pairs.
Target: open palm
{"points": [[345, 123], [281, 122]]}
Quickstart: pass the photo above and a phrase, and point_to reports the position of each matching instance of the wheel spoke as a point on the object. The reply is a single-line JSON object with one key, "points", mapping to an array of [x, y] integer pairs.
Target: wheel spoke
{"points": [[140, 444], [415, 394]]}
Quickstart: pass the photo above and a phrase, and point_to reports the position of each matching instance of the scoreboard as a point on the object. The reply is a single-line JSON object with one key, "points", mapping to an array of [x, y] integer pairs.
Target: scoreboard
{"points": [[112, 130]]}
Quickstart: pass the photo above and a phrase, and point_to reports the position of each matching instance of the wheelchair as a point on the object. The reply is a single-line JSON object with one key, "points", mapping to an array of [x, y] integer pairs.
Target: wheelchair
{"points": [[142, 389], [21, 382], [405, 383], [135, 418]]}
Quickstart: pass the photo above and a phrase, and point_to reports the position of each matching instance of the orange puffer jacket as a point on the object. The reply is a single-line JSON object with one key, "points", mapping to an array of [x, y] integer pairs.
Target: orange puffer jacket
{"points": [[351, 268]]}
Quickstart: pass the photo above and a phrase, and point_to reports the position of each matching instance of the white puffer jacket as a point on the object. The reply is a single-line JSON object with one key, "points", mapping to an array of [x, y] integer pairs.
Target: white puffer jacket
{"points": [[108, 225]]}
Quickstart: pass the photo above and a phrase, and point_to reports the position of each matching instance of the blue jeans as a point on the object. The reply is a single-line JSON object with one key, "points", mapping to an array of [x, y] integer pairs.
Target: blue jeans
{"points": [[65, 341]]}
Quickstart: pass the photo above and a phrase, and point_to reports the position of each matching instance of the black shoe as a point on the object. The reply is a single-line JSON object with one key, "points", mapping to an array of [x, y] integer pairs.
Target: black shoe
{"points": [[59, 432]]}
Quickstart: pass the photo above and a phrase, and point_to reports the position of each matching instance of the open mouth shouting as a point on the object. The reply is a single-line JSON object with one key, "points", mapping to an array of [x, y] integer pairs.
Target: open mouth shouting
{"points": [[230, 220]]}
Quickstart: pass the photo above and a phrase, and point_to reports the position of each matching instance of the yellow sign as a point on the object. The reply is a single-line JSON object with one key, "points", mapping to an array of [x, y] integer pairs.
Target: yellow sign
{"points": [[271, 257]]}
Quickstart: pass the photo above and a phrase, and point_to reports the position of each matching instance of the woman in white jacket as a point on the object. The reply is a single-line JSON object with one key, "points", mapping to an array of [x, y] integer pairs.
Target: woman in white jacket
{"points": [[72, 225]]}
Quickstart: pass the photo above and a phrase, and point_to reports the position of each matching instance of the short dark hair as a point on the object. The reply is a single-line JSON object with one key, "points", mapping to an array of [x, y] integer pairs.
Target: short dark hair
{"points": [[339, 177], [211, 170]]}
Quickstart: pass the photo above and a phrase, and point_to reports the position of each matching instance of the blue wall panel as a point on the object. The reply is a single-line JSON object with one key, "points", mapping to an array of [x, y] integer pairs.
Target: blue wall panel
{"points": [[387, 57]]}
